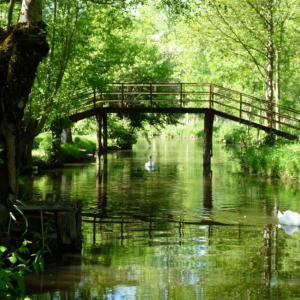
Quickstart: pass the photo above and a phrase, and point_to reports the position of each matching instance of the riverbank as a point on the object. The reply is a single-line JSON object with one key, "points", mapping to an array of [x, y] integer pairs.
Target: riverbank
{"points": [[254, 150], [264, 155], [82, 149]]}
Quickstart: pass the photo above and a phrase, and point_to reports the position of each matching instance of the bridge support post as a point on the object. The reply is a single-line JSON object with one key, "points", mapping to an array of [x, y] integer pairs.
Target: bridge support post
{"points": [[101, 119], [207, 191], [99, 147], [104, 134], [207, 142]]}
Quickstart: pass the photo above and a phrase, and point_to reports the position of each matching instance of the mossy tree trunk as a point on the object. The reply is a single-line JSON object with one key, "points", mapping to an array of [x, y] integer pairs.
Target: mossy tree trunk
{"points": [[22, 47]]}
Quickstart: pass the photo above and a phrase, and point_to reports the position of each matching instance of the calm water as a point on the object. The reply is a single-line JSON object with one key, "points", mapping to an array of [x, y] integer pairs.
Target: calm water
{"points": [[171, 234]]}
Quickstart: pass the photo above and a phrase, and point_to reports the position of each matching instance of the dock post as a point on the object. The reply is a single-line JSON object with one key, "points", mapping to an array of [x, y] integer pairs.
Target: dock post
{"points": [[207, 142]]}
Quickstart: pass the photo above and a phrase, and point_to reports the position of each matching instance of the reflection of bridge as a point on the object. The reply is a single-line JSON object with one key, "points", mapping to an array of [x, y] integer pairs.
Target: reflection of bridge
{"points": [[209, 99]]}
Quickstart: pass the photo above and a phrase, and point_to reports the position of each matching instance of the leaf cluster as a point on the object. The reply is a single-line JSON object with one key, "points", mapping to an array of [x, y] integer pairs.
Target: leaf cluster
{"points": [[13, 266]]}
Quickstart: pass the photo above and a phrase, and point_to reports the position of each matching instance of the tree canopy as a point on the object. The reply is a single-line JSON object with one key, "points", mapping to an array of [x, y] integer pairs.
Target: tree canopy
{"points": [[248, 45]]}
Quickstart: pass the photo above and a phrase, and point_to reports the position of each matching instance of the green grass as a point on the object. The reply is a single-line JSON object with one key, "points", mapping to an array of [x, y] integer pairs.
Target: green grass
{"points": [[266, 156], [82, 149]]}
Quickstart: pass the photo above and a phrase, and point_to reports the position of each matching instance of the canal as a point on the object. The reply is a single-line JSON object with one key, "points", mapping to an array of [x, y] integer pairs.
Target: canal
{"points": [[169, 233]]}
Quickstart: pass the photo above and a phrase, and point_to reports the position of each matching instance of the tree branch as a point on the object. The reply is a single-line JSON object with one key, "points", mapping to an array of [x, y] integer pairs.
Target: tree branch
{"points": [[237, 39]]}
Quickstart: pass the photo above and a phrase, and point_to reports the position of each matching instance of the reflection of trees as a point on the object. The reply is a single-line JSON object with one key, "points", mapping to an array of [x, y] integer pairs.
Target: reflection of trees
{"points": [[267, 252], [227, 261], [235, 262], [26, 188], [141, 240]]}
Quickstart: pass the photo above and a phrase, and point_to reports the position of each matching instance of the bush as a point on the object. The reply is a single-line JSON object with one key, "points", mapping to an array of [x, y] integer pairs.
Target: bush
{"points": [[121, 133], [280, 159], [269, 156], [43, 142], [80, 150], [71, 153], [85, 144], [232, 133]]}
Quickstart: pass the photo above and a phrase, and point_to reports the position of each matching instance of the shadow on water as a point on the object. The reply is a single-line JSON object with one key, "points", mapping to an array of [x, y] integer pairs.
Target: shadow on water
{"points": [[189, 236]]}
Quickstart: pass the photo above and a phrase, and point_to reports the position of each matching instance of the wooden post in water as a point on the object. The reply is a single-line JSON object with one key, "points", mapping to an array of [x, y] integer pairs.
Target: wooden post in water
{"points": [[104, 133], [207, 191], [101, 187], [207, 142], [99, 149]]}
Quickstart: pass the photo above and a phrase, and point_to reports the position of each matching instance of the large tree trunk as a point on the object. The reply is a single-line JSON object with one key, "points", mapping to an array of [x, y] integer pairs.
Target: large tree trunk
{"points": [[22, 47]]}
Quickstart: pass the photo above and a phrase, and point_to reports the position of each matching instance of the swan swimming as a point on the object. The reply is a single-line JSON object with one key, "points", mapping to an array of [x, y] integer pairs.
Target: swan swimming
{"points": [[150, 165], [289, 218]]}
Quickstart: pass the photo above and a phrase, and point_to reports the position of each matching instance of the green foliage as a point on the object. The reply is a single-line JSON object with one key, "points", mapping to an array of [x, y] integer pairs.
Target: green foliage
{"points": [[86, 144], [70, 153], [13, 265], [84, 127], [232, 133], [43, 141], [266, 157], [78, 151], [121, 132]]}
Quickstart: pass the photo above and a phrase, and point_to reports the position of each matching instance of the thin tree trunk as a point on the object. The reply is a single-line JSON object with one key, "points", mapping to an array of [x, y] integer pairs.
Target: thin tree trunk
{"points": [[270, 65], [277, 89], [269, 85], [10, 11]]}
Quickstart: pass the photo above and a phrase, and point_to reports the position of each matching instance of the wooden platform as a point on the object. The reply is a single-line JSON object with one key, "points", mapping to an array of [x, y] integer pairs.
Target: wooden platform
{"points": [[59, 221]]}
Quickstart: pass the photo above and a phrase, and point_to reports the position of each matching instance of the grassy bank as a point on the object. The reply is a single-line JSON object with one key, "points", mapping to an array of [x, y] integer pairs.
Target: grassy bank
{"points": [[263, 155], [281, 160], [82, 149]]}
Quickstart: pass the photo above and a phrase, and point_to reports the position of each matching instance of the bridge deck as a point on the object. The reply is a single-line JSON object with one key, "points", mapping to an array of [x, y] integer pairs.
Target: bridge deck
{"points": [[188, 98]]}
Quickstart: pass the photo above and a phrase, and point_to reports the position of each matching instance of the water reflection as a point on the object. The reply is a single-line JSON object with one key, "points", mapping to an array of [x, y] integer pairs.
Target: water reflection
{"points": [[172, 233], [101, 186], [207, 192]]}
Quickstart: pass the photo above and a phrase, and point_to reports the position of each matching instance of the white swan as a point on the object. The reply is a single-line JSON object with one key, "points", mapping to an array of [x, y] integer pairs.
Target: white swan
{"points": [[150, 165], [289, 218], [290, 230]]}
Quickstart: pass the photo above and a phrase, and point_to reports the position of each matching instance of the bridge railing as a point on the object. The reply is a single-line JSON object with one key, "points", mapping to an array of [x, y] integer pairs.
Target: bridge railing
{"points": [[153, 95], [255, 109], [191, 95]]}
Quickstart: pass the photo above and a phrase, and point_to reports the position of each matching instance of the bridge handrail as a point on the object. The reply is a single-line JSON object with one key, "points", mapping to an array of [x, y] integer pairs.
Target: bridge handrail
{"points": [[183, 93]]}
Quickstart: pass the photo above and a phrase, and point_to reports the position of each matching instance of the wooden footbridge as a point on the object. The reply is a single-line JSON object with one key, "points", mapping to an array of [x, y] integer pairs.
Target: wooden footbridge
{"points": [[208, 99]]}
